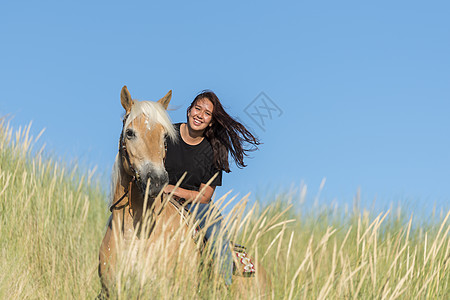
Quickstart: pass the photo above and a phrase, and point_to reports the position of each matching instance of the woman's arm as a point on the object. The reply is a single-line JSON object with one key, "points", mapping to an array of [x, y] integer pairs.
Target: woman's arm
{"points": [[190, 195]]}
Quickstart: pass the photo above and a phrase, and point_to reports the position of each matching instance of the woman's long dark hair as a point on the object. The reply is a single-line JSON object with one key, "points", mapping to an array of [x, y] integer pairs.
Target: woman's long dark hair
{"points": [[226, 135]]}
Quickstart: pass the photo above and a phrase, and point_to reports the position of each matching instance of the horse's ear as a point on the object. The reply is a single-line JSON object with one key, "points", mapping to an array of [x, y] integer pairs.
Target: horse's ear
{"points": [[164, 101], [126, 100]]}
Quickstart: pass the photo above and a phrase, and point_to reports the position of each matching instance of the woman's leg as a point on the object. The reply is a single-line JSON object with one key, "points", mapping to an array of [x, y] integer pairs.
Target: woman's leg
{"points": [[211, 234]]}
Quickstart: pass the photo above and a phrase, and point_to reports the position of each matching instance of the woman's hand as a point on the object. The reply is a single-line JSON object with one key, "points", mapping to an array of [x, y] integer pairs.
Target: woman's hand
{"points": [[191, 195], [169, 188]]}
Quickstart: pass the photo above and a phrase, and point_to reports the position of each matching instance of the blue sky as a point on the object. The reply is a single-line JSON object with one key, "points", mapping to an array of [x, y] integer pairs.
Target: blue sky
{"points": [[362, 89]]}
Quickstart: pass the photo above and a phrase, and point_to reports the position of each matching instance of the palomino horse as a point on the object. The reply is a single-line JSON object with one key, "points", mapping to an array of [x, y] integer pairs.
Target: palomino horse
{"points": [[143, 220]]}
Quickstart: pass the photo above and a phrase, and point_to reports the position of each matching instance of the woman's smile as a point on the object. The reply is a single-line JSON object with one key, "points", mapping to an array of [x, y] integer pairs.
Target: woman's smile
{"points": [[197, 121]]}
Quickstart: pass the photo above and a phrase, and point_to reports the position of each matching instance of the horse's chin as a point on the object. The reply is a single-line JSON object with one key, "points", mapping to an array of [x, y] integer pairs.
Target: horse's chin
{"points": [[152, 195]]}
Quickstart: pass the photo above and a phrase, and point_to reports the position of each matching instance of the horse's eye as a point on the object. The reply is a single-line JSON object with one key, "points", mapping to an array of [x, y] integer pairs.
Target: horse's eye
{"points": [[130, 133]]}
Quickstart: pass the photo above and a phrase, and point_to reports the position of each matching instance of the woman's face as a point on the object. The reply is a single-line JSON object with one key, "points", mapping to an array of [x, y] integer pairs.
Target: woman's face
{"points": [[200, 114]]}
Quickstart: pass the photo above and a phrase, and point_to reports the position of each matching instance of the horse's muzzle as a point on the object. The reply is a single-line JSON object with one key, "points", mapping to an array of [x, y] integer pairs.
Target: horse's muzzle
{"points": [[157, 182]]}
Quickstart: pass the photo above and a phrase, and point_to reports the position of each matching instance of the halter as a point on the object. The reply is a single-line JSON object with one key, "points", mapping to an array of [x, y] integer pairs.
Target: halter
{"points": [[124, 154]]}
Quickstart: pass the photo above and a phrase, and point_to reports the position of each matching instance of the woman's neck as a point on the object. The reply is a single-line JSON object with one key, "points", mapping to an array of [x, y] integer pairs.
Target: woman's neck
{"points": [[190, 136]]}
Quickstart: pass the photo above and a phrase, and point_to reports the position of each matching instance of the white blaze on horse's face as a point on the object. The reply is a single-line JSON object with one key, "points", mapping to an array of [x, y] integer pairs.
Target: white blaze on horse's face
{"points": [[143, 137]]}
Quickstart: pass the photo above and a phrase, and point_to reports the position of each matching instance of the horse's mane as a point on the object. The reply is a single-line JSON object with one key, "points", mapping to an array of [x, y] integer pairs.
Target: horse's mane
{"points": [[156, 115]]}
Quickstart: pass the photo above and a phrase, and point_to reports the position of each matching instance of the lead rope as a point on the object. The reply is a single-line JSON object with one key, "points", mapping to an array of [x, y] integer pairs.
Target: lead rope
{"points": [[130, 210], [113, 206]]}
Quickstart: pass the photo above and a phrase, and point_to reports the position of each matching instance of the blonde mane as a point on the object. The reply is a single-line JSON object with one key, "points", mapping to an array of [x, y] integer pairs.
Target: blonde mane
{"points": [[156, 114]]}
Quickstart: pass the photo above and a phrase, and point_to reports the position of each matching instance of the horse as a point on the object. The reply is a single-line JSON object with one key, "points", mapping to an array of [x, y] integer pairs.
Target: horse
{"points": [[145, 221]]}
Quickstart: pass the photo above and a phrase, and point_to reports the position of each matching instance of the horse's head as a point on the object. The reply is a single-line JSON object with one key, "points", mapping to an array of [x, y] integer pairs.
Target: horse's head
{"points": [[142, 143]]}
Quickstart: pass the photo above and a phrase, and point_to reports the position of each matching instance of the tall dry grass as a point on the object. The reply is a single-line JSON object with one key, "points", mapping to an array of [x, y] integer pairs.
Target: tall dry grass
{"points": [[51, 219], [53, 216]]}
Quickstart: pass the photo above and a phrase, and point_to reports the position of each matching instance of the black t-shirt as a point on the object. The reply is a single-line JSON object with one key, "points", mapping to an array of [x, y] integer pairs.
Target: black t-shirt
{"points": [[196, 160]]}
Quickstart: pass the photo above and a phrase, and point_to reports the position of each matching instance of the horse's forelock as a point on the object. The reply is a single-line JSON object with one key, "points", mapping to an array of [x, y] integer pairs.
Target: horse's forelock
{"points": [[155, 113]]}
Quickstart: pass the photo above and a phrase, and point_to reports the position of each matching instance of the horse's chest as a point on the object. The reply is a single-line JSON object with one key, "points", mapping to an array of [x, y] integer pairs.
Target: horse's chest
{"points": [[128, 232], [124, 227], [130, 244]]}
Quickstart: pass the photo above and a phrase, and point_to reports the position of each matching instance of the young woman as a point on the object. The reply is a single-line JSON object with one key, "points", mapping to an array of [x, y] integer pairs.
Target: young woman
{"points": [[204, 144]]}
